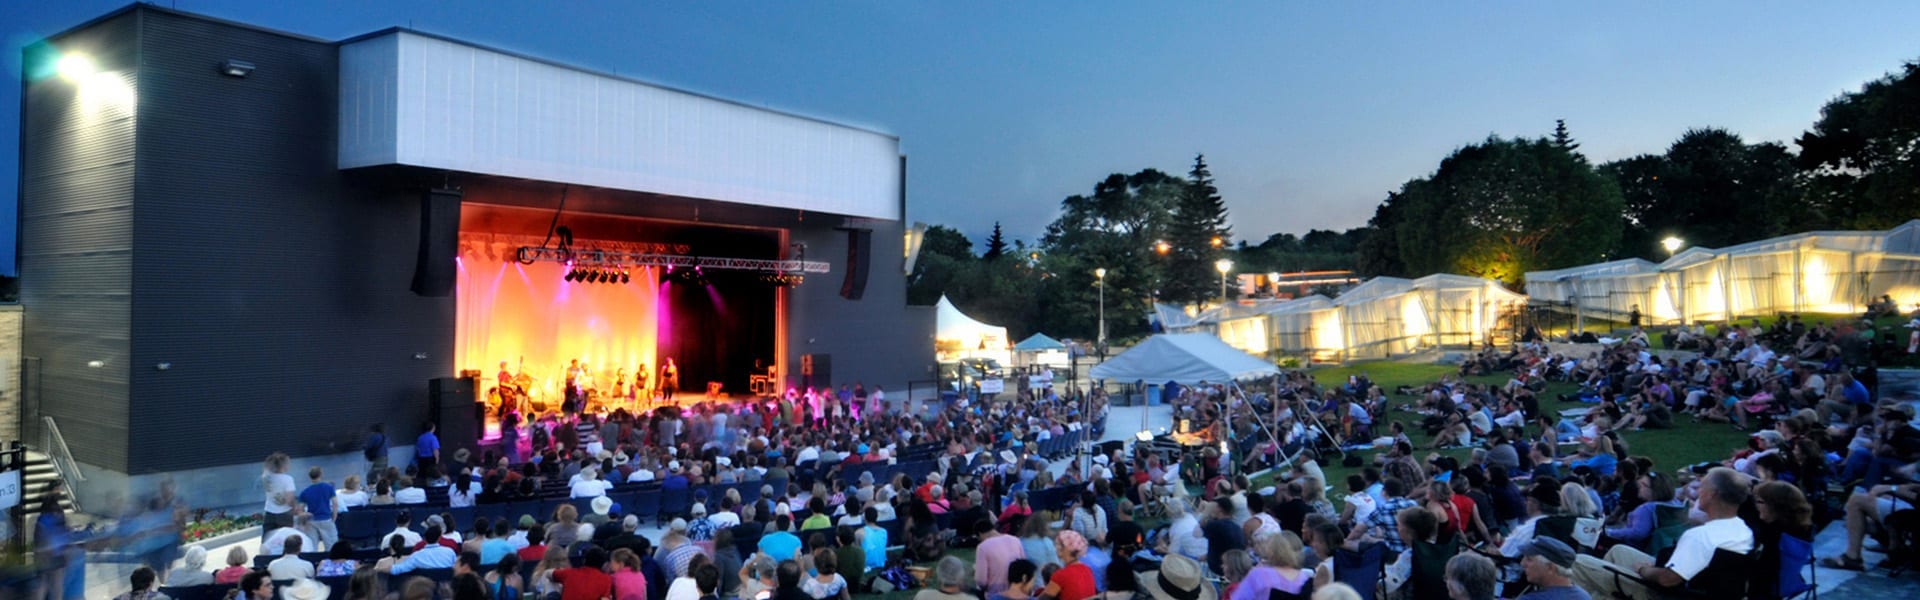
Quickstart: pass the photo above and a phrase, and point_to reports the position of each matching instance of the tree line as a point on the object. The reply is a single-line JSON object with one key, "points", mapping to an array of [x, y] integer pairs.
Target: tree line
{"points": [[1496, 208]]}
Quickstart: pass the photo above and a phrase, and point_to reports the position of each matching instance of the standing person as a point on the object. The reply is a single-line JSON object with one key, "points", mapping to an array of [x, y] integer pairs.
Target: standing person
{"points": [[321, 502], [57, 548], [426, 449], [376, 452], [669, 379], [279, 491]]}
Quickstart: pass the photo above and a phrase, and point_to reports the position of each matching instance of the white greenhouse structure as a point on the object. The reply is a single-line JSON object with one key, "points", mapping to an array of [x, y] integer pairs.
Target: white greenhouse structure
{"points": [[1835, 272], [1384, 317]]}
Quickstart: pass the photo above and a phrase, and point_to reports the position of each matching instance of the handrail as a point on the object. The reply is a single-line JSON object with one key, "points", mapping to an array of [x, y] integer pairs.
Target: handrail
{"points": [[62, 459]]}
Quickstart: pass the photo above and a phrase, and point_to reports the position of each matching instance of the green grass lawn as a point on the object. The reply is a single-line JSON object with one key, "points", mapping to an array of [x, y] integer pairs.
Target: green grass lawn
{"points": [[1685, 444]]}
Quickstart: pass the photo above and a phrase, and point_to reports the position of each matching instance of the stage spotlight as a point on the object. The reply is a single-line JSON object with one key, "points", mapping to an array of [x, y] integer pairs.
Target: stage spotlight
{"points": [[625, 276], [571, 275], [603, 277]]}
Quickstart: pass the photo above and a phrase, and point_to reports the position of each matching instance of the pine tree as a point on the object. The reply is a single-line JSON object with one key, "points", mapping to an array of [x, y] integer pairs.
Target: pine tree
{"points": [[1563, 139], [1200, 236], [996, 244]]}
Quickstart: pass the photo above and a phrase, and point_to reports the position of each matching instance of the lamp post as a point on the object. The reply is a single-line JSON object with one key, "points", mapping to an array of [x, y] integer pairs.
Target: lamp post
{"points": [[1672, 244], [1100, 279], [1223, 265]]}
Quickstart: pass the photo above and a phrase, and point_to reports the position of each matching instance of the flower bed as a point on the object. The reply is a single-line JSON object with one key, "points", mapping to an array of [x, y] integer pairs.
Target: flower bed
{"points": [[207, 525]]}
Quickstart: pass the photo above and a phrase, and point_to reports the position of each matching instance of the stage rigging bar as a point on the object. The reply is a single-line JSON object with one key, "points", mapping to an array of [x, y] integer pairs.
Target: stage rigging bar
{"points": [[617, 259]]}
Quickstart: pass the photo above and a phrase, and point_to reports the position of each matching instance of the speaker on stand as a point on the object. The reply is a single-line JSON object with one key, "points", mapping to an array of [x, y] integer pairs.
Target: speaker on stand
{"points": [[456, 413]]}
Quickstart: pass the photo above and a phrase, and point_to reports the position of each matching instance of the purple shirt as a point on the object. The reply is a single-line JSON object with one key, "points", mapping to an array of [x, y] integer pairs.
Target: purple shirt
{"points": [[991, 559], [1262, 581]]}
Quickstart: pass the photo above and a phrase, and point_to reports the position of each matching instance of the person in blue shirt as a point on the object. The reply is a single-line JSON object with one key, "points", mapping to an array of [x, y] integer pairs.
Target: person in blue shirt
{"points": [[432, 556], [496, 545], [426, 450], [874, 544], [321, 503], [376, 452], [781, 545]]}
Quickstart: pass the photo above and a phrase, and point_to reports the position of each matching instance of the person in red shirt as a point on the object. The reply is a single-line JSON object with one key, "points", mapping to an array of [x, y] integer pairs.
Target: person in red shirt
{"points": [[1457, 512], [1075, 581], [587, 581], [536, 545]]}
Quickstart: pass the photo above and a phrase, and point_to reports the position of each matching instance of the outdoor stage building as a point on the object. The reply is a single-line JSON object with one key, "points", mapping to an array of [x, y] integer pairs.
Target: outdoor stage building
{"points": [[236, 241]]}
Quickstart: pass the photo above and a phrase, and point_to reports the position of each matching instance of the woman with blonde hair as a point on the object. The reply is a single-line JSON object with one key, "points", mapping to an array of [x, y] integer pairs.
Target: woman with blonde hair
{"points": [[629, 583], [1316, 497], [236, 568], [279, 489], [352, 494], [565, 529], [1279, 570], [543, 583], [1036, 537]]}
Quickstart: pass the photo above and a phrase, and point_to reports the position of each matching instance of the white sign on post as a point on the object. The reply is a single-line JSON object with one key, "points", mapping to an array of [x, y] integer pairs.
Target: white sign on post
{"points": [[9, 489], [992, 386]]}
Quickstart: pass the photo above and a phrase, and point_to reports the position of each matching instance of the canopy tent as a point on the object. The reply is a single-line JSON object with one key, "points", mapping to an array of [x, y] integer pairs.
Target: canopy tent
{"points": [[958, 336], [1038, 349], [1038, 342], [1820, 272], [1186, 358]]}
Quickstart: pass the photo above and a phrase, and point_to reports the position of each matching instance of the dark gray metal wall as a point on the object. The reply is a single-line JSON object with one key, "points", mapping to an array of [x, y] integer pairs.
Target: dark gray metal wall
{"points": [[276, 289], [76, 235], [877, 339]]}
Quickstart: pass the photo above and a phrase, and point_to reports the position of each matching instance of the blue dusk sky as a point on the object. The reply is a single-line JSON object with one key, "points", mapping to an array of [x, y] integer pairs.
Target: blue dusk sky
{"points": [[1308, 112]]}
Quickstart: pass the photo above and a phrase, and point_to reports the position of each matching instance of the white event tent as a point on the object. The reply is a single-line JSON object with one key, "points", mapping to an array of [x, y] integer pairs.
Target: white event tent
{"points": [[1186, 358], [958, 336], [1815, 272]]}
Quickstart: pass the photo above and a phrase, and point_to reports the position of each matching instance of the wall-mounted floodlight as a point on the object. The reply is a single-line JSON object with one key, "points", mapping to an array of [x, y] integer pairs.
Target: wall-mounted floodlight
{"points": [[236, 68]]}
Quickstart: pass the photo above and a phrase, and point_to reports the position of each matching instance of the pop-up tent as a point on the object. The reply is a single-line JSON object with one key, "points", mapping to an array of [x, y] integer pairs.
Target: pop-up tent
{"points": [[1186, 358], [958, 336], [1038, 349]]}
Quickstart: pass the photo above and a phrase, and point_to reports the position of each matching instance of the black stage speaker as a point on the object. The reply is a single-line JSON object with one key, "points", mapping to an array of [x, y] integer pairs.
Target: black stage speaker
{"points": [[434, 272], [816, 371], [859, 251], [455, 411]]}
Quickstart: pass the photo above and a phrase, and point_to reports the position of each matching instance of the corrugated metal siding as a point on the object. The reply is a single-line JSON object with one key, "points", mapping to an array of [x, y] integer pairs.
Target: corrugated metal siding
{"points": [[277, 292], [877, 339], [77, 189]]}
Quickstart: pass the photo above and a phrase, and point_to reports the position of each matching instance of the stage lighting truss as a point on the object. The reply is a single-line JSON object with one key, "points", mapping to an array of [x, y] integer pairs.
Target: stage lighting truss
{"points": [[615, 262], [783, 279]]}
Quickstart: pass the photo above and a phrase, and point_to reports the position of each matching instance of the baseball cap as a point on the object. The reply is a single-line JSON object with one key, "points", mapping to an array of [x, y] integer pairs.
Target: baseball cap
{"points": [[1552, 550]]}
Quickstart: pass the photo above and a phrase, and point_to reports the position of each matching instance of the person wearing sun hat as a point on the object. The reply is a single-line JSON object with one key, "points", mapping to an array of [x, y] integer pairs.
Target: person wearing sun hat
{"points": [[1179, 578]]}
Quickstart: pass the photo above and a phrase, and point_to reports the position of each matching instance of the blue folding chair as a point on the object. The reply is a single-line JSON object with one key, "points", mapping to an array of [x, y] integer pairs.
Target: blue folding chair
{"points": [[1796, 557]]}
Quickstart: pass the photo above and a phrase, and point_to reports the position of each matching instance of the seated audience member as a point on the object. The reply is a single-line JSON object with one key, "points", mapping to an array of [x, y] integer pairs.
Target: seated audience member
{"points": [[1722, 492]]}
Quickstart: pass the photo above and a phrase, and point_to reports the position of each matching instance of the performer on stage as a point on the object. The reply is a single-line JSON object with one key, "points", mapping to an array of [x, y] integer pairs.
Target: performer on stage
{"points": [[576, 396], [669, 379], [640, 388]]}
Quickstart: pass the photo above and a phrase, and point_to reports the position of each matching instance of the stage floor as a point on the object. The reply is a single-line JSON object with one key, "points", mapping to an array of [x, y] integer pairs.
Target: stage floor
{"points": [[491, 434]]}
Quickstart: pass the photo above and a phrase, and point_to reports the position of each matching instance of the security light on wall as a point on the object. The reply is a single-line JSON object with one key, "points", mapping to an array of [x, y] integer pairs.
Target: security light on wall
{"points": [[236, 68]]}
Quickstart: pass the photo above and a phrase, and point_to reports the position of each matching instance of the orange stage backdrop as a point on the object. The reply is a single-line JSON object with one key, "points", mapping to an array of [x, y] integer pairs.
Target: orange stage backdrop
{"points": [[508, 311]]}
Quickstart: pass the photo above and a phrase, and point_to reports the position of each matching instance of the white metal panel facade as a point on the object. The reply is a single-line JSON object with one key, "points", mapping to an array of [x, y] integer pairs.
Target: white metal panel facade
{"points": [[419, 100]]}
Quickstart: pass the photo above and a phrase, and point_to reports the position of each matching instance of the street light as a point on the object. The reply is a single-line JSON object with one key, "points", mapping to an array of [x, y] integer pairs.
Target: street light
{"points": [[1100, 277], [1223, 265], [1273, 283], [1672, 244], [1162, 247]]}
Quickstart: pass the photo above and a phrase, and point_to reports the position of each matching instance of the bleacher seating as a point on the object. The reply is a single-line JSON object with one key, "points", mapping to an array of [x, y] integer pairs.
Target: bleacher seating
{"points": [[198, 592]]}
